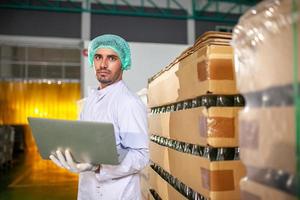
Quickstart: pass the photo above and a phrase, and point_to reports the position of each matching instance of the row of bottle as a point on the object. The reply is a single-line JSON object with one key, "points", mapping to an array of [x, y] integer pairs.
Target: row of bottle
{"points": [[275, 96], [202, 101], [278, 179], [211, 153], [186, 191], [154, 194]]}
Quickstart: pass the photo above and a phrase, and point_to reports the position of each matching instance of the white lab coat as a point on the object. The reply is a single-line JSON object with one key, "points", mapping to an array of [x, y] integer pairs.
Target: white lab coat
{"points": [[117, 105]]}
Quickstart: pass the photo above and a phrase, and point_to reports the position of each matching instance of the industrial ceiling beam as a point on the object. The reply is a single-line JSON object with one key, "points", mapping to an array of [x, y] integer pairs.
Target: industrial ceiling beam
{"points": [[200, 9]]}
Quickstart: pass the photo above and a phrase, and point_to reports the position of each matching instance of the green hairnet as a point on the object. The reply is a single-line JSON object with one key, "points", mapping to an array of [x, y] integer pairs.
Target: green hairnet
{"points": [[114, 42]]}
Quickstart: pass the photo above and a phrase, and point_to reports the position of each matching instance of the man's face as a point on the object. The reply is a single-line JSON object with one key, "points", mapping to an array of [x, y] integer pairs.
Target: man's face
{"points": [[107, 66]]}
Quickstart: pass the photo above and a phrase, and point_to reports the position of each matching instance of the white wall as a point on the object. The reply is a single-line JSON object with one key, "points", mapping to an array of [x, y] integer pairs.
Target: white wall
{"points": [[147, 60]]}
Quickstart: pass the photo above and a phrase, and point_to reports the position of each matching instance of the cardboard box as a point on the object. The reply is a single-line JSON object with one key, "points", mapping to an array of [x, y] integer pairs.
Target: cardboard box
{"points": [[146, 196], [159, 155], [144, 182], [208, 69], [151, 197], [251, 190], [267, 138], [174, 194], [216, 126], [215, 180], [158, 184], [159, 124], [163, 188]]}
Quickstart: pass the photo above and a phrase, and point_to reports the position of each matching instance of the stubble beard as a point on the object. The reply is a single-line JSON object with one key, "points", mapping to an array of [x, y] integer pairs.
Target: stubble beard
{"points": [[104, 80], [108, 81]]}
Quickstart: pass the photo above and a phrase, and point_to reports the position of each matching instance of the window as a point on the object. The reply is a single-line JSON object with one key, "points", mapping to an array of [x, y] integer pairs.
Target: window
{"points": [[224, 28], [37, 62]]}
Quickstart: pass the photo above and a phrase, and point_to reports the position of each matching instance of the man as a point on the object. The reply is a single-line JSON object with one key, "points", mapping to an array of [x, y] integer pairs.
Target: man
{"points": [[112, 102]]}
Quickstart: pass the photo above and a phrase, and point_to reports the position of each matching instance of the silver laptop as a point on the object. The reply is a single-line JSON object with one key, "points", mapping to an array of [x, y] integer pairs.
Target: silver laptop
{"points": [[91, 142]]}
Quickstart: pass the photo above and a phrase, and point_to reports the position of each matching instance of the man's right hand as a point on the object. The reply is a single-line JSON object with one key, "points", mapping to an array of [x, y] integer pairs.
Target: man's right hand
{"points": [[66, 161]]}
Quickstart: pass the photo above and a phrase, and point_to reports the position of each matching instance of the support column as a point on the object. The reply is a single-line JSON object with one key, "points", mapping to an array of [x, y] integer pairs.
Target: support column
{"points": [[191, 25], [86, 21], [85, 38]]}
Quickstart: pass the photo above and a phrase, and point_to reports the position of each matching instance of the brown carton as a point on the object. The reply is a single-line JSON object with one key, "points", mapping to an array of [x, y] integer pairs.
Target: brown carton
{"points": [[217, 127], [159, 155], [208, 69], [163, 188], [159, 185], [174, 194], [214, 180], [144, 182]]}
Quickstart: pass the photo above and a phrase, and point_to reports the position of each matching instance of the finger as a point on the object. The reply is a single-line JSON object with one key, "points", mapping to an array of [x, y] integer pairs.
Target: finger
{"points": [[84, 167], [55, 160], [62, 159], [70, 160]]}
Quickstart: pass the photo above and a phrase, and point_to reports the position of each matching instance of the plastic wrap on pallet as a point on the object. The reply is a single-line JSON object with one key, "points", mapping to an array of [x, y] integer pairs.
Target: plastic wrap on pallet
{"points": [[255, 191], [263, 46], [266, 48], [266, 144]]}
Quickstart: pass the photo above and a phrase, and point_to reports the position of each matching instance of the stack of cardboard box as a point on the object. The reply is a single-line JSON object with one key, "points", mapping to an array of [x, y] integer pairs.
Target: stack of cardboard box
{"points": [[194, 148], [265, 45]]}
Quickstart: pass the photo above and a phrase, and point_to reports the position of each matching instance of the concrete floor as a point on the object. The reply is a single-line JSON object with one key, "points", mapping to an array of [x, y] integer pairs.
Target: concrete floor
{"points": [[31, 178]]}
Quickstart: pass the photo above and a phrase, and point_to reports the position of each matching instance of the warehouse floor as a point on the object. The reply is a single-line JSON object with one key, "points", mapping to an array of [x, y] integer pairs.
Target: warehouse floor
{"points": [[31, 178]]}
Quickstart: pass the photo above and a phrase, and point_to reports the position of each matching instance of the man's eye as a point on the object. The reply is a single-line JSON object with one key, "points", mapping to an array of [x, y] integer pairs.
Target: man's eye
{"points": [[97, 57], [112, 58]]}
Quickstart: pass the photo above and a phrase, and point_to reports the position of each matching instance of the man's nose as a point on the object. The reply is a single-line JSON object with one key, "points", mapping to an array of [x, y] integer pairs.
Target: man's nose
{"points": [[103, 63]]}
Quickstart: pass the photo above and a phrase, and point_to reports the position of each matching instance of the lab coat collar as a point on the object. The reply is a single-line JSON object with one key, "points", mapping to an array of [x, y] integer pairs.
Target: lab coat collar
{"points": [[102, 92]]}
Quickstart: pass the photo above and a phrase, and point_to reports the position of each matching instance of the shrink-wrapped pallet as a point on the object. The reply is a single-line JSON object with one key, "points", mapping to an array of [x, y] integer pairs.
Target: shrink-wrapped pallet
{"points": [[193, 123], [268, 137], [266, 47]]}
